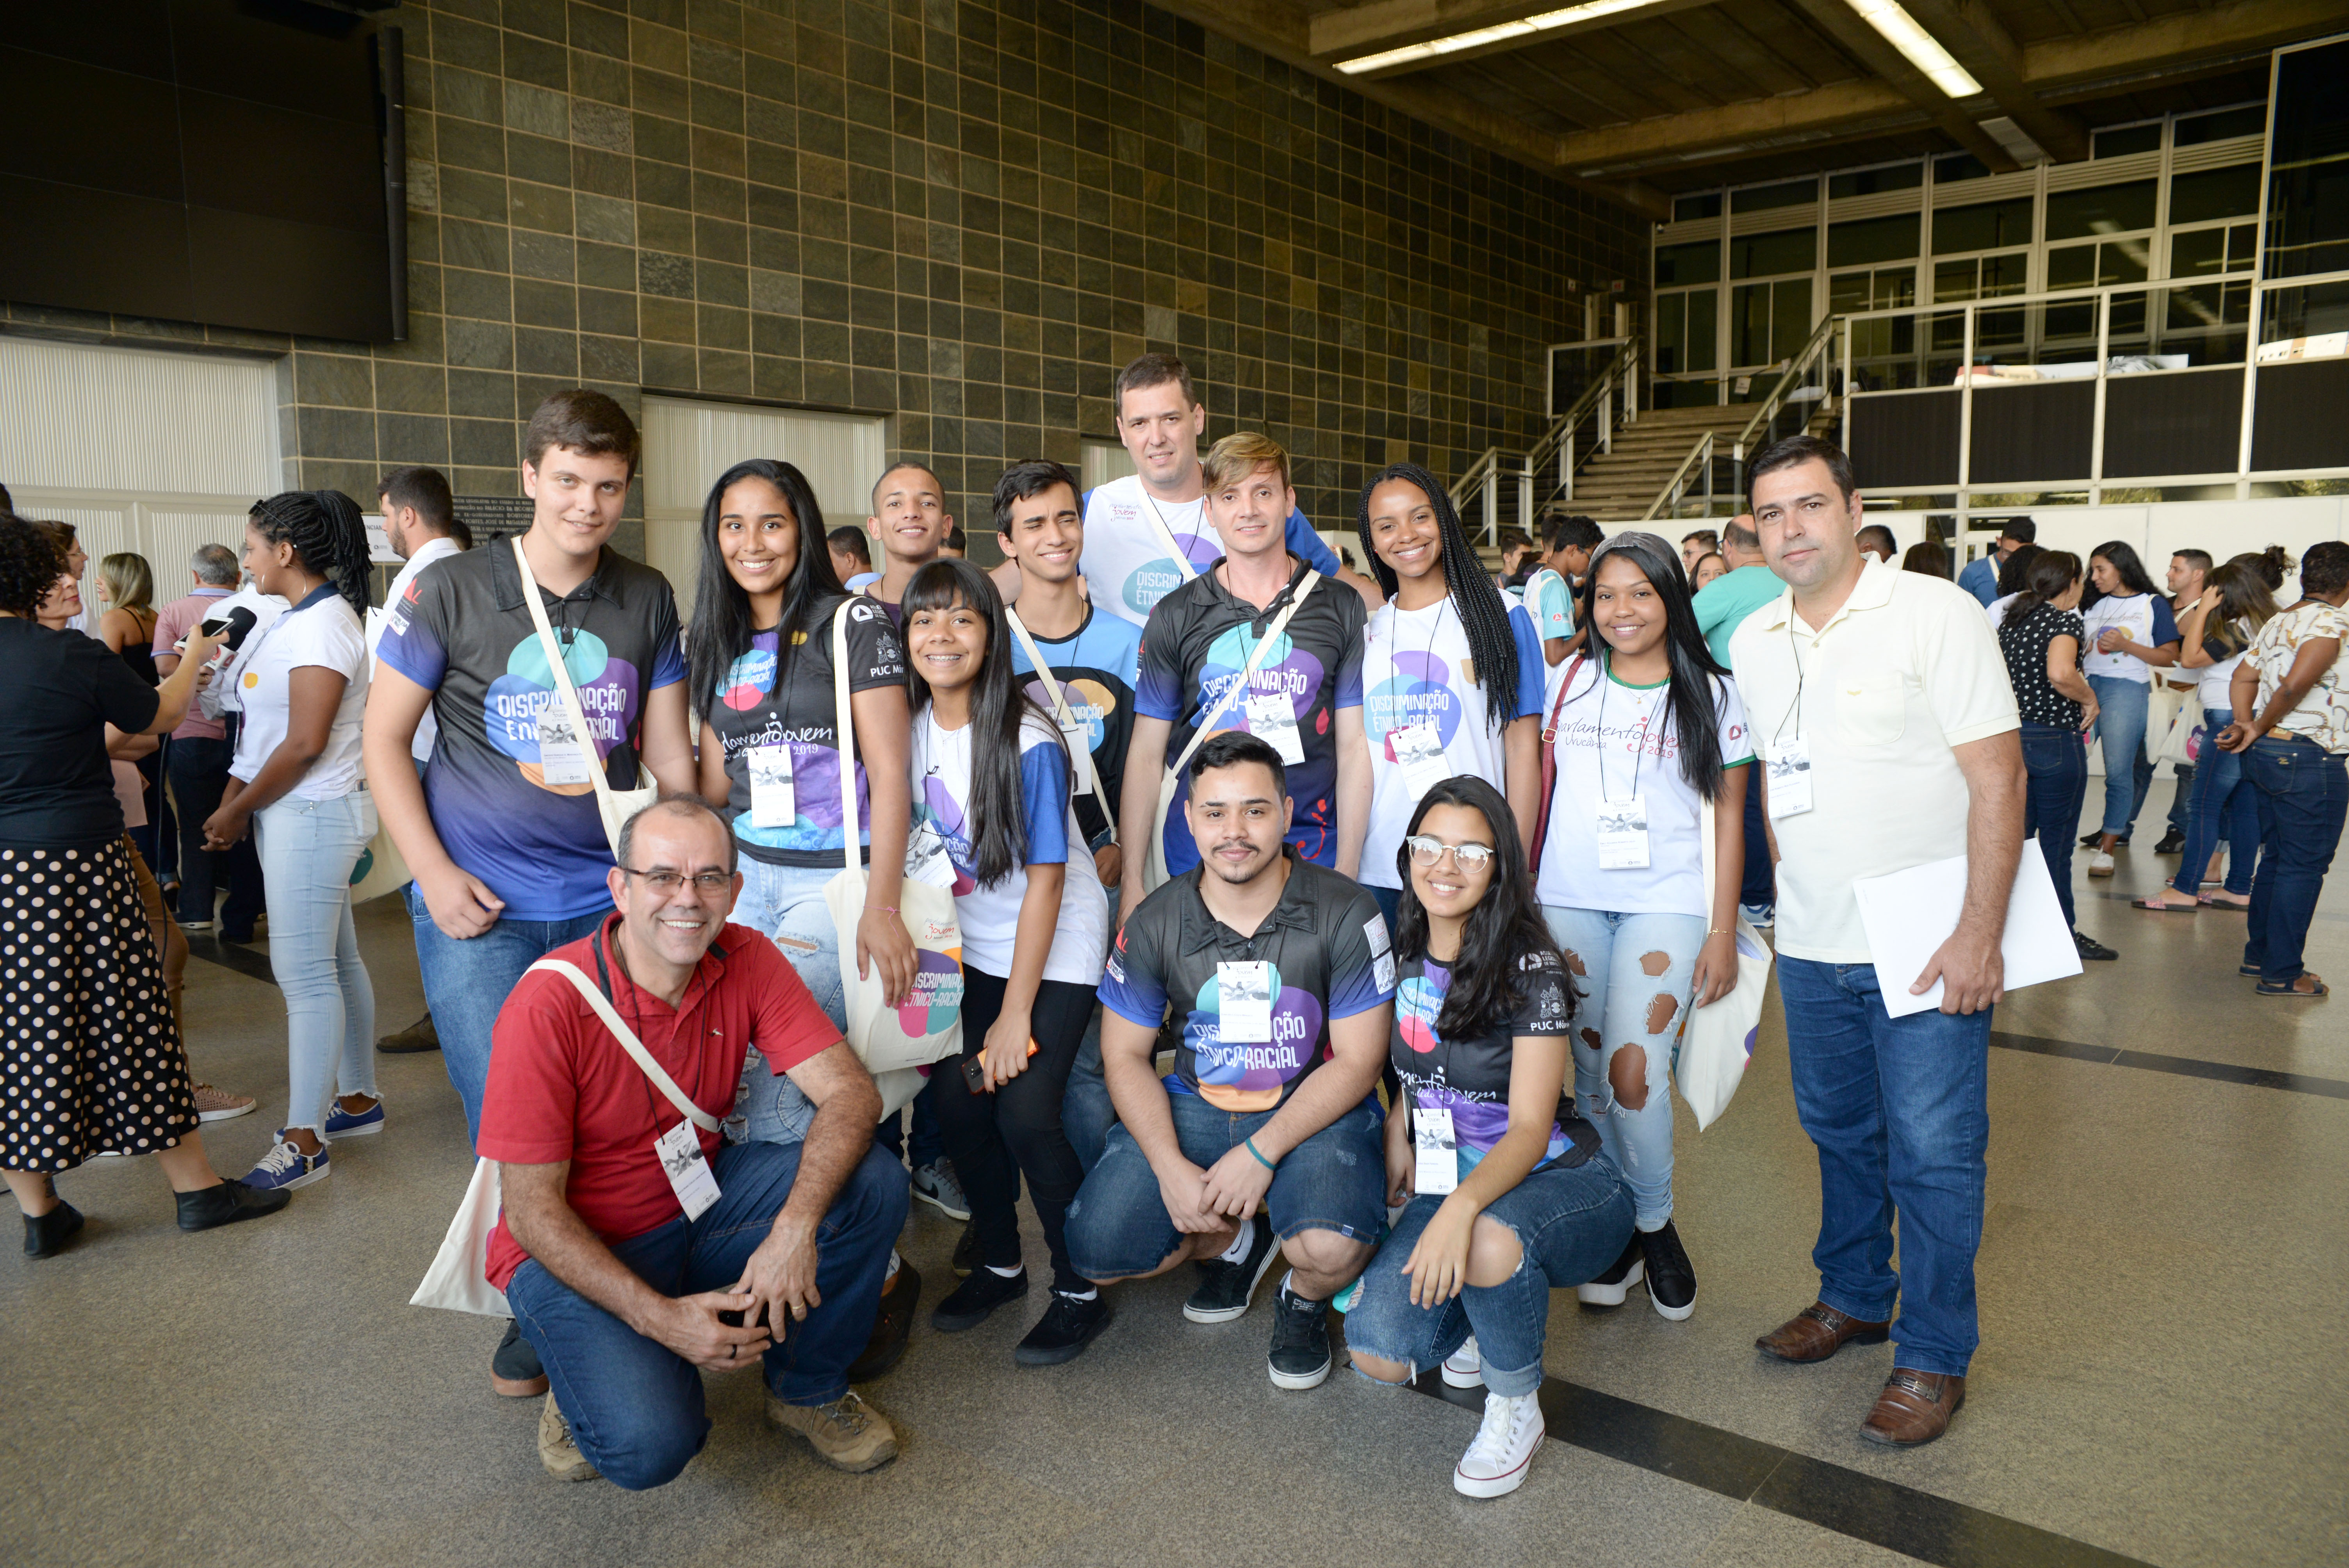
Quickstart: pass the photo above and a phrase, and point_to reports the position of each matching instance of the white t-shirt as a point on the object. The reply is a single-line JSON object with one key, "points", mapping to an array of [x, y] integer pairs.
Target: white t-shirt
{"points": [[1416, 670], [2212, 687], [1615, 740], [1127, 569], [222, 696], [2145, 617], [1996, 610], [940, 766], [434, 549], [325, 631]]}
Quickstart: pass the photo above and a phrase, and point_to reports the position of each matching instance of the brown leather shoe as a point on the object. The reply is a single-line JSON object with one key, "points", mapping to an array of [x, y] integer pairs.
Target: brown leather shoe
{"points": [[1914, 1409], [1817, 1331]]}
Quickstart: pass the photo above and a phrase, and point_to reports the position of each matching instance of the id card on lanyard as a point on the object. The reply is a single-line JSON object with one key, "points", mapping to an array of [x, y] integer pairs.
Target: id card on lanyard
{"points": [[1621, 825], [1436, 1152], [1787, 761], [562, 753]]}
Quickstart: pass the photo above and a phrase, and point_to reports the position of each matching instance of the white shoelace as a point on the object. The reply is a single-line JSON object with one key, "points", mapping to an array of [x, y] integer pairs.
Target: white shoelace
{"points": [[1467, 1355], [1505, 1419], [280, 1160]]}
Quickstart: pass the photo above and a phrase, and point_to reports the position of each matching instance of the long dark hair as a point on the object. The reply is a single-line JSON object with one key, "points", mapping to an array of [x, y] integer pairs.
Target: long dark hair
{"points": [[1484, 614], [2122, 557], [2049, 576], [2245, 604], [998, 828], [722, 629], [326, 530], [1503, 936], [1696, 714]]}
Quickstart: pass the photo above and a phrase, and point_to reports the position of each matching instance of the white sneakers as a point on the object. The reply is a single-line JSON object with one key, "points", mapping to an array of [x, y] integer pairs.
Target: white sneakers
{"points": [[2100, 864], [1496, 1462], [1464, 1368]]}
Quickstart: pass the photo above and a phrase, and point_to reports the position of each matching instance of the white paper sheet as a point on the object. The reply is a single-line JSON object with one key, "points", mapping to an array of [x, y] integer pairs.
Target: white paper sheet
{"points": [[1910, 913]]}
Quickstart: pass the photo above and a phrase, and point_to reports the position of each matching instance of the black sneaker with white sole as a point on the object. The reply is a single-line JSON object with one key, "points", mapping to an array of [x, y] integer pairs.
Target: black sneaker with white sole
{"points": [[1614, 1287], [2091, 949], [1299, 1358], [968, 1304], [1061, 1335], [1225, 1288], [1671, 1278]]}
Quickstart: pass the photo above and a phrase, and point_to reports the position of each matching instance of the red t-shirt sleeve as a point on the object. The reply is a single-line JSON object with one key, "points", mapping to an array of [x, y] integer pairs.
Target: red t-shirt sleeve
{"points": [[786, 1025], [530, 1108]]}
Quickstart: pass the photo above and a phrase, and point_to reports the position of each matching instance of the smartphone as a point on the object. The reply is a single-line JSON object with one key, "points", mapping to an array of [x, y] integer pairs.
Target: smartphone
{"points": [[974, 1069], [732, 1318]]}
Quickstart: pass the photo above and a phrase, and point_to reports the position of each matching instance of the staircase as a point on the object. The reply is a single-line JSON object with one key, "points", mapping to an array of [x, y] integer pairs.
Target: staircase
{"points": [[1621, 485]]}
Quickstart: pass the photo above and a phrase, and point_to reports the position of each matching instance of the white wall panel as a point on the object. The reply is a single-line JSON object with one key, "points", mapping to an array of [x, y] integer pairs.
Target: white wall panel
{"points": [[80, 417]]}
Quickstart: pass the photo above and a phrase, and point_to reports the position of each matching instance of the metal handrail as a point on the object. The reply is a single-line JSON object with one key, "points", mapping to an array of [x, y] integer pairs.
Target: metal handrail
{"points": [[1481, 480], [1675, 486], [1817, 348]]}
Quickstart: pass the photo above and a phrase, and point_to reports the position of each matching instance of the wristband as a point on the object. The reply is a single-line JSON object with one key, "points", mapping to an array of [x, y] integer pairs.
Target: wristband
{"points": [[1721, 930], [880, 909], [1249, 1143]]}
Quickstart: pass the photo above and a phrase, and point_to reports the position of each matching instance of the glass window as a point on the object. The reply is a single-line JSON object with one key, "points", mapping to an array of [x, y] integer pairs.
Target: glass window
{"points": [[2229, 192], [1983, 227], [2308, 196], [1684, 332], [2251, 119], [1706, 205], [1870, 182], [1876, 240], [2122, 141], [2072, 267], [1789, 193], [1790, 317], [1783, 250], [1749, 324], [1693, 264], [1959, 166], [1703, 330], [2100, 210]]}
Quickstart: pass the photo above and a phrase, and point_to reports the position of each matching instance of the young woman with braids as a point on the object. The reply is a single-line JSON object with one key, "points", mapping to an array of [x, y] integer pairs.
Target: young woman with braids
{"points": [[1647, 731], [1452, 672], [295, 783]]}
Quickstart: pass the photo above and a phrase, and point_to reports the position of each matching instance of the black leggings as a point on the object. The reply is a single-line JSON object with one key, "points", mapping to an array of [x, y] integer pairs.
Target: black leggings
{"points": [[986, 1133]]}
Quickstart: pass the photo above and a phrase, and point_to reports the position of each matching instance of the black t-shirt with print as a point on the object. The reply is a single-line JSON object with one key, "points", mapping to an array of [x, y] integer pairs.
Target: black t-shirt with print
{"points": [[1470, 1077], [751, 708], [2023, 640]]}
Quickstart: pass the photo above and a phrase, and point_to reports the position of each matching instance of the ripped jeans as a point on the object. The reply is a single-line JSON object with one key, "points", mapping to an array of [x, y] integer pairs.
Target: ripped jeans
{"points": [[787, 903], [1635, 973]]}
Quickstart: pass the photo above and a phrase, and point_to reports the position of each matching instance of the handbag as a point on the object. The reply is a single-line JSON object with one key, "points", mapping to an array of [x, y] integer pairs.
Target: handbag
{"points": [[616, 806], [458, 1280], [1717, 1041], [1549, 770], [2181, 744], [1153, 865], [927, 1027], [2162, 706]]}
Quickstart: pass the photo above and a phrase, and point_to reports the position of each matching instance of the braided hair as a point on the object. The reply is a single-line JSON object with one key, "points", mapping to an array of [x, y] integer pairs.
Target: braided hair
{"points": [[1484, 614], [325, 531]]}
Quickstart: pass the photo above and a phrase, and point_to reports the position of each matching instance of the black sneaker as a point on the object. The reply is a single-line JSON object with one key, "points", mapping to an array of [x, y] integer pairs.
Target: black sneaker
{"points": [[48, 1234], [514, 1371], [893, 1325], [2090, 841], [227, 1203], [1061, 1335], [969, 1304], [1612, 1288], [1300, 1341], [966, 1252], [2090, 948], [1672, 1280], [419, 1035], [1225, 1288], [2173, 842]]}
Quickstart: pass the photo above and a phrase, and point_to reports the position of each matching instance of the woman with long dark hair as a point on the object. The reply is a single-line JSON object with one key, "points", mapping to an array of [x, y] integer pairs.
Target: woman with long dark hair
{"points": [[1506, 1194], [295, 784], [992, 779], [2039, 636], [1452, 672], [2216, 632], [1647, 732], [2129, 633]]}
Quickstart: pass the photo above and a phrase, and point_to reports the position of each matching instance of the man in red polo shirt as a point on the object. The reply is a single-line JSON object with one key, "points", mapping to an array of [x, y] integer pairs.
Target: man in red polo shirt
{"points": [[622, 1254]]}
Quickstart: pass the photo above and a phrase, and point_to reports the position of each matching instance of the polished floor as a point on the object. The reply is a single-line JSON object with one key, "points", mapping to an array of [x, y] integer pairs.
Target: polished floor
{"points": [[2162, 1287]]}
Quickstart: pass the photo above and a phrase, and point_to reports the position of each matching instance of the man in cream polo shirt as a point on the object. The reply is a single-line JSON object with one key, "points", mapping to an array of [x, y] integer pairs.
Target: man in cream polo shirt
{"points": [[1888, 730]]}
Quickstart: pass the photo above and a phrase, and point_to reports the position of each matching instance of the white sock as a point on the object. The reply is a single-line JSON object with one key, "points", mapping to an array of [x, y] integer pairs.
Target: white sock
{"points": [[894, 1261], [1238, 1251], [1008, 1273], [1087, 1293]]}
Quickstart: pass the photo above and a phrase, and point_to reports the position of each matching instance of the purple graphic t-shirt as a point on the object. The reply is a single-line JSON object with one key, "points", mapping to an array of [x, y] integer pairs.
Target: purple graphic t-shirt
{"points": [[464, 633], [1470, 1077]]}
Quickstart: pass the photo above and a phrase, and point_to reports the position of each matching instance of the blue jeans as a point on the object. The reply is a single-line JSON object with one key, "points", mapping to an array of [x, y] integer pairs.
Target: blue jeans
{"points": [[1900, 1110], [2303, 792], [634, 1404], [2120, 730], [1086, 1111], [2225, 803], [1758, 887], [1572, 1225], [2056, 770], [1629, 1006], [1334, 1181], [466, 983], [308, 848]]}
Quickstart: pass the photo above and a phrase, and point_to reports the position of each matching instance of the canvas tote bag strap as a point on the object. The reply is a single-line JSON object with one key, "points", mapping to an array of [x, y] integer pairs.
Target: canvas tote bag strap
{"points": [[1060, 709], [629, 1041], [844, 720], [1271, 634], [1166, 534], [562, 676]]}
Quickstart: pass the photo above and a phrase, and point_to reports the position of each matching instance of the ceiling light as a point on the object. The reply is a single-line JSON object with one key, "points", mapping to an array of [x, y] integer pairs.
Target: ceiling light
{"points": [[1921, 48], [1590, 11]]}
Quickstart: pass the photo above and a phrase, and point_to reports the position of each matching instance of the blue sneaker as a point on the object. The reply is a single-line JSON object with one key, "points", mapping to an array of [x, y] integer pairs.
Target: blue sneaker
{"points": [[1760, 916], [284, 1168], [341, 1123]]}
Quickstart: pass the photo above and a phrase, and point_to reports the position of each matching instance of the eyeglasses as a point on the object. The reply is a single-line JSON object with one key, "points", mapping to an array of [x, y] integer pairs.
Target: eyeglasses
{"points": [[1426, 852], [671, 882]]}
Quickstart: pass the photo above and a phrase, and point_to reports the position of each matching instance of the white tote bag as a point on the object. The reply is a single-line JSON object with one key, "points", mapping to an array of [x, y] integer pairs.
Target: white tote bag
{"points": [[2181, 744], [1716, 1042], [458, 1280], [928, 1026], [615, 805], [1153, 865]]}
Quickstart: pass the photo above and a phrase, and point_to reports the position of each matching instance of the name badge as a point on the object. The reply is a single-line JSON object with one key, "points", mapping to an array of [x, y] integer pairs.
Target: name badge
{"points": [[926, 857], [1271, 719], [1438, 1168], [772, 801], [1244, 1003], [1419, 752], [561, 758], [679, 1150], [1079, 742], [1789, 766], [1623, 834]]}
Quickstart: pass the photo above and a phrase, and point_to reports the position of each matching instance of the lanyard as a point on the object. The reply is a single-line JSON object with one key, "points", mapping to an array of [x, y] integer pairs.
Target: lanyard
{"points": [[1794, 709], [1640, 756]]}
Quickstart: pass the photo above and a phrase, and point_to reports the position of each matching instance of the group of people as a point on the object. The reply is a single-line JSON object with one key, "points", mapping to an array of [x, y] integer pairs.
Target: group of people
{"points": [[1419, 878]]}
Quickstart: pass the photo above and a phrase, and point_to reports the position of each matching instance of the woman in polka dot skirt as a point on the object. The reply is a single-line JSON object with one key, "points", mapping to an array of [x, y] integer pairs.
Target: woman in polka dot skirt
{"points": [[90, 1060]]}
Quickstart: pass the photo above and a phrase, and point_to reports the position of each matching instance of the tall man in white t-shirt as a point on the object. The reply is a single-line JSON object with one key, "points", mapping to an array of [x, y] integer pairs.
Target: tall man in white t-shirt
{"points": [[1881, 704], [419, 521]]}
